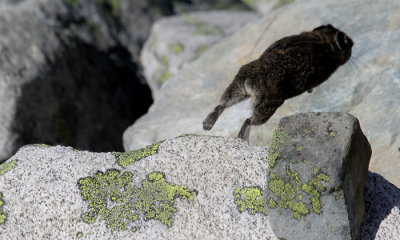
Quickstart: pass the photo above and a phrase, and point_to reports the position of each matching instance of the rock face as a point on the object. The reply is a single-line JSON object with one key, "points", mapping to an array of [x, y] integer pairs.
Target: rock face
{"points": [[367, 87], [181, 189], [318, 166], [178, 40], [192, 187], [65, 76]]}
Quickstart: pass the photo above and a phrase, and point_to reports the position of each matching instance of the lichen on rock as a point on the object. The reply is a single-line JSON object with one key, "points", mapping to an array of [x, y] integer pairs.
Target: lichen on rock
{"points": [[3, 217], [155, 199], [5, 167], [273, 153], [250, 199], [127, 158]]}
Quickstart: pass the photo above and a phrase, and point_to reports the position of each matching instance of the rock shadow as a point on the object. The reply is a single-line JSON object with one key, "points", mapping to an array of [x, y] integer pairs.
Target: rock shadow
{"points": [[84, 98], [380, 197]]}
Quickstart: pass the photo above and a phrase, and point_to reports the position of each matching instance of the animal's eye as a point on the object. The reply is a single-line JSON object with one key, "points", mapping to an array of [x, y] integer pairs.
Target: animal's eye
{"points": [[341, 40]]}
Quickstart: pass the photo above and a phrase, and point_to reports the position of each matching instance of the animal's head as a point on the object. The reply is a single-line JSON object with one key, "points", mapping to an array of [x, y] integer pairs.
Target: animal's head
{"points": [[340, 43]]}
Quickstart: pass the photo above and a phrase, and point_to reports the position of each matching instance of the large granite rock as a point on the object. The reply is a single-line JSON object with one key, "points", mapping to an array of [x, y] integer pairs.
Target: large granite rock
{"points": [[367, 87], [65, 77], [318, 166], [176, 41], [181, 189], [192, 187]]}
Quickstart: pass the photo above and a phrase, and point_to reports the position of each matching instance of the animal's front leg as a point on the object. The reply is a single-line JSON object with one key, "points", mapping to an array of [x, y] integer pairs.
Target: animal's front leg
{"points": [[244, 132]]}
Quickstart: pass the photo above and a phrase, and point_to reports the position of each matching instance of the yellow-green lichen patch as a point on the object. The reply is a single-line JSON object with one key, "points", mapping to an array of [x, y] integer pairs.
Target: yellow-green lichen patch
{"points": [[166, 74], [3, 217], [127, 158], [5, 167], [332, 134], [79, 235], [299, 148], [271, 203], [281, 3], [176, 48], [278, 137], [287, 197], [201, 28], [155, 199], [250, 199], [291, 196], [190, 135], [314, 188], [249, 2], [41, 145]]}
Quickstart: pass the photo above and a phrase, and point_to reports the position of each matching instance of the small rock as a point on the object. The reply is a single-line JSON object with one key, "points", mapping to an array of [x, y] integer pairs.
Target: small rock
{"points": [[318, 165]]}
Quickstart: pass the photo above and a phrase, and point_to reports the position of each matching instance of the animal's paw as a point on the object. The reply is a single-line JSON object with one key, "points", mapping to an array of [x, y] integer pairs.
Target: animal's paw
{"points": [[208, 123]]}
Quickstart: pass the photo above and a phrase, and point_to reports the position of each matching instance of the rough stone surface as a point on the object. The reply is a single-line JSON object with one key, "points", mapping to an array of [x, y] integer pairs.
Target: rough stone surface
{"points": [[42, 192], [176, 41], [65, 78], [216, 185], [318, 166], [367, 87]]}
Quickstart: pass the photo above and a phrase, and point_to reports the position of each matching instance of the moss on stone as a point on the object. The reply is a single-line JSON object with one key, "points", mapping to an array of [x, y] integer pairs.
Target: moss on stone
{"points": [[79, 235], [250, 199], [278, 137], [176, 48], [5, 167], [127, 158], [3, 217], [332, 134], [155, 199]]}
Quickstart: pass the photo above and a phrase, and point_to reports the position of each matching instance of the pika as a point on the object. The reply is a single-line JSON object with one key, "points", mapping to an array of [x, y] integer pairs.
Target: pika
{"points": [[289, 67]]}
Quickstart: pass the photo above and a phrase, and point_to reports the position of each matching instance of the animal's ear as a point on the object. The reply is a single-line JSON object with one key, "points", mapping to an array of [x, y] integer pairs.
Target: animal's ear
{"points": [[341, 40], [319, 28]]}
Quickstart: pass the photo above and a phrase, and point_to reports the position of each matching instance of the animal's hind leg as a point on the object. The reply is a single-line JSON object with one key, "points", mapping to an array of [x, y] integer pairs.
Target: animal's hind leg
{"points": [[262, 112], [232, 95]]}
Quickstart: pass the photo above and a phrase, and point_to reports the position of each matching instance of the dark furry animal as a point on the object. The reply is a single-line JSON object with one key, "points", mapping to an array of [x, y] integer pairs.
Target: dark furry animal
{"points": [[289, 67]]}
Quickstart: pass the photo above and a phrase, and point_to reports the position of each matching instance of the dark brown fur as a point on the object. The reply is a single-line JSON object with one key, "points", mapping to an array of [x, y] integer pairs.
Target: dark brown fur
{"points": [[289, 67]]}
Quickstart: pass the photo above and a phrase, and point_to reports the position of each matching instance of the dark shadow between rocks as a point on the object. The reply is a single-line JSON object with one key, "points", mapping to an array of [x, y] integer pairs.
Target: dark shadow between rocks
{"points": [[380, 197], [85, 98]]}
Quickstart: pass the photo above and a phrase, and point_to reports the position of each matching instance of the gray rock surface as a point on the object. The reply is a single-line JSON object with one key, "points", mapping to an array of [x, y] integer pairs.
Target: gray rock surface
{"points": [[65, 77], [367, 87], [42, 199], [266, 6], [178, 40], [45, 193], [318, 166]]}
